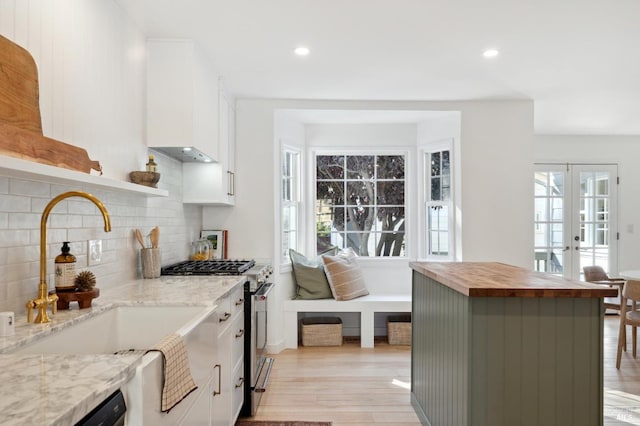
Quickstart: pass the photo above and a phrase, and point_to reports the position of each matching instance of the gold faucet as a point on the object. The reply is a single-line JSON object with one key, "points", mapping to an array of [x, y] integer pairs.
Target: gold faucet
{"points": [[44, 299]]}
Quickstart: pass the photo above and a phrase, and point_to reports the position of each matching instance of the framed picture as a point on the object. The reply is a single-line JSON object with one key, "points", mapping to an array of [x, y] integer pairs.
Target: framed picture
{"points": [[218, 239]]}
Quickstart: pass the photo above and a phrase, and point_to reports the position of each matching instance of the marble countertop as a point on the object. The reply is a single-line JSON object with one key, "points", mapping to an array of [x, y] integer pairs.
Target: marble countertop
{"points": [[61, 389], [492, 279]]}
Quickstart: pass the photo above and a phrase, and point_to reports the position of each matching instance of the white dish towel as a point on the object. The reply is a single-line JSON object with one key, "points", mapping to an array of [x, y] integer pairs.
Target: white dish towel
{"points": [[177, 380]]}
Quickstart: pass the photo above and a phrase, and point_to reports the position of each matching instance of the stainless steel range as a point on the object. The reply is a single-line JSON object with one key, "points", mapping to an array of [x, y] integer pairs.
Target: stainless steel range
{"points": [[257, 287]]}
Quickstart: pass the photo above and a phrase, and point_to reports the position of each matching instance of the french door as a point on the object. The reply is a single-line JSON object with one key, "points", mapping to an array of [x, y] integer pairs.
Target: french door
{"points": [[575, 218]]}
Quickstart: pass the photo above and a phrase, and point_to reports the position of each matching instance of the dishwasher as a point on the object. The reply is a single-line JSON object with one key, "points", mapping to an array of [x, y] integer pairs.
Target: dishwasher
{"points": [[110, 412]]}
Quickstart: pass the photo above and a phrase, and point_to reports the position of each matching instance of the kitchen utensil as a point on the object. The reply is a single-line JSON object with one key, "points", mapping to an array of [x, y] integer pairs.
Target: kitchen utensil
{"points": [[139, 237], [154, 236]]}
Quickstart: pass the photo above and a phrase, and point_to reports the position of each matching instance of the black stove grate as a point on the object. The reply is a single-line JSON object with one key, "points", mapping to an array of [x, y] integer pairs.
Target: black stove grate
{"points": [[209, 267]]}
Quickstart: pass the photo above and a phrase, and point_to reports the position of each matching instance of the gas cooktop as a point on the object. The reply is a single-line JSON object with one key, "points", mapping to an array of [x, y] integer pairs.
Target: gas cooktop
{"points": [[209, 267]]}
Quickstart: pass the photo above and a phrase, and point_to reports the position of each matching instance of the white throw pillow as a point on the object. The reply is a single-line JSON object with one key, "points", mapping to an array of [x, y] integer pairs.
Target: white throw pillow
{"points": [[344, 275]]}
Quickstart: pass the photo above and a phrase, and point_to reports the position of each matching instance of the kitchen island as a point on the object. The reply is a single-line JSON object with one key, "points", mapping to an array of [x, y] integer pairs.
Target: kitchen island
{"points": [[60, 389], [495, 344]]}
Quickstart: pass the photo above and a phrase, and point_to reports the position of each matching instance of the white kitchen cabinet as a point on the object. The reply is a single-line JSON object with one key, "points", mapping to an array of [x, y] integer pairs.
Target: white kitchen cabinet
{"points": [[199, 414], [182, 98], [237, 393], [214, 183], [227, 400], [220, 400]]}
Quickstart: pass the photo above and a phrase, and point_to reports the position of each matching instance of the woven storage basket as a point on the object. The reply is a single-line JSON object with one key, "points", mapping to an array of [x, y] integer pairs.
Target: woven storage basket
{"points": [[399, 329], [321, 331]]}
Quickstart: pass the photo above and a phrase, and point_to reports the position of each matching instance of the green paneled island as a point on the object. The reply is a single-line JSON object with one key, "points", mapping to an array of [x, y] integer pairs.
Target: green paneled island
{"points": [[498, 345]]}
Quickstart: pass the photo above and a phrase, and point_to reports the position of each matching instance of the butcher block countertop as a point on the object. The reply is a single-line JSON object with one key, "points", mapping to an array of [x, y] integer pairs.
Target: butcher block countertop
{"points": [[492, 279]]}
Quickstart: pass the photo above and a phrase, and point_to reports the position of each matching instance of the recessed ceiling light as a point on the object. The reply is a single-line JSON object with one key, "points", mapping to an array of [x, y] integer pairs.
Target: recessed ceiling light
{"points": [[490, 53], [301, 51]]}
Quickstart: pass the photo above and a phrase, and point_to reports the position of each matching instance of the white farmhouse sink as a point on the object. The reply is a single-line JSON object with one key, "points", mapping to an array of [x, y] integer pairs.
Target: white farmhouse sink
{"points": [[119, 329], [140, 327]]}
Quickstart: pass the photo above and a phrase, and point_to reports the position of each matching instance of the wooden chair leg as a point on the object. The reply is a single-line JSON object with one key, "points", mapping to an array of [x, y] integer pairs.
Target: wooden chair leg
{"points": [[621, 341], [634, 338]]}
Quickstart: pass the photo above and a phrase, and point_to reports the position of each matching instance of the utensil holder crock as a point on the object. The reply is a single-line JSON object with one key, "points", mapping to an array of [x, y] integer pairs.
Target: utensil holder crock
{"points": [[150, 262]]}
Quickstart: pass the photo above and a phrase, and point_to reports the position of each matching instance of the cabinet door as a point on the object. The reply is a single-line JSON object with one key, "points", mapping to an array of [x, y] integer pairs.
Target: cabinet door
{"points": [[239, 382], [221, 410], [220, 413], [182, 105], [200, 411], [227, 145], [214, 183]]}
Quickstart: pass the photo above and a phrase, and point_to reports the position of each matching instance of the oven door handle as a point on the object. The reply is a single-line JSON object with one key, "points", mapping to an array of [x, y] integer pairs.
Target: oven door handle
{"points": [[263, 388], [264, 290]]}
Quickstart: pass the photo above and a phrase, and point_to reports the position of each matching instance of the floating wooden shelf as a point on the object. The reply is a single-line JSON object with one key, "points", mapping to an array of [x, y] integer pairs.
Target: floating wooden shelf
{"points": [[29, 170]]}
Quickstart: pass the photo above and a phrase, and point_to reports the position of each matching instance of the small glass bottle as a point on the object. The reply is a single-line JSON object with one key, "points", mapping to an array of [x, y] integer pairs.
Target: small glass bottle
{"points": [[65, 269], [151, 165]]}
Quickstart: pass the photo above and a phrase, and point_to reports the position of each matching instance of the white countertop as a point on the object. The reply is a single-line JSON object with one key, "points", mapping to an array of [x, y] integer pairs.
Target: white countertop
{"points": [[61, 389]]}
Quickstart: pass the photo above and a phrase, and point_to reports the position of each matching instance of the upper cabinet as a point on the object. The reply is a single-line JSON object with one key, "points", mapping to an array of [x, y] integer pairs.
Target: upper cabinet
{"points": [[214, 184], [182, 100]]}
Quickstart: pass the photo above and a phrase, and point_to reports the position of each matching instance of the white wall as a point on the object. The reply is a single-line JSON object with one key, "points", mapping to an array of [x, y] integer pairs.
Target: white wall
{"points": [[91, 66], [497, 193], [496, 199], [620, 150]]}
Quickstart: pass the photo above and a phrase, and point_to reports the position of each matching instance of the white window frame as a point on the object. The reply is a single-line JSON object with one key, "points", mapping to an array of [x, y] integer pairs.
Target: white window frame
{"points": [[294, 204], [425, 153], [408, 156]]}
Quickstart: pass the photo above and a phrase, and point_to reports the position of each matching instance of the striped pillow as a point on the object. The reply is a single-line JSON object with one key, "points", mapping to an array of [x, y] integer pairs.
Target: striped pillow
{"points": [[344, 275]]}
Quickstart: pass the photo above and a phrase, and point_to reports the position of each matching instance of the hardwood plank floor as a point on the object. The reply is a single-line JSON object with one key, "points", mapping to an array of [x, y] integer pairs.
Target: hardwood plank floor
{"points": [[343, 384], [352, 386], [622, 387]]}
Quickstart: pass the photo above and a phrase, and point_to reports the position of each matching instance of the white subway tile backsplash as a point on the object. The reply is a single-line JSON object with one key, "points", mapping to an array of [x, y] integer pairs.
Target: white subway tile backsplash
{"points": [[78, 220], [4, 220], [79, 205], [13, 203], [17, 271], [22, 254], [24, 220], [13, 237], [29, 188], [4, 185], [65, 221]]}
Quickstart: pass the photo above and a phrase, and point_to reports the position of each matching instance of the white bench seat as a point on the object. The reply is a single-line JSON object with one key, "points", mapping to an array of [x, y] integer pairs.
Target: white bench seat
{"points": [[366, 305]]}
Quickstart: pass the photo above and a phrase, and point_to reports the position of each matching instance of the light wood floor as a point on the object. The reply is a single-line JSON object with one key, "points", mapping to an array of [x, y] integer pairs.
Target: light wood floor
{"points": [[352, 386], [622, 387]]}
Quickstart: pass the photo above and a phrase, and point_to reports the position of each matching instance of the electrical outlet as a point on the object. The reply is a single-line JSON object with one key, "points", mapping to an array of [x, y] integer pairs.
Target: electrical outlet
{"points": [[94, 252]]}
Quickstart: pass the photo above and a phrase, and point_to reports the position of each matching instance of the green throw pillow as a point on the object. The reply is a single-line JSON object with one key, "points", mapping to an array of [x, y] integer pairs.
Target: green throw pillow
{"points": [[311, 280]]}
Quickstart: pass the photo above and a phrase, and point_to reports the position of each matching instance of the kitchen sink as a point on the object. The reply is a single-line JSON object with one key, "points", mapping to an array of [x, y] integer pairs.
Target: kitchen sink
{"points": [[119, 329], [139, 328]]}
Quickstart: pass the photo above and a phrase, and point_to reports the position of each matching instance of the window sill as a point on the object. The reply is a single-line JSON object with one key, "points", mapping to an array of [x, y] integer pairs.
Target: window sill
{"points": [[29, 170]]}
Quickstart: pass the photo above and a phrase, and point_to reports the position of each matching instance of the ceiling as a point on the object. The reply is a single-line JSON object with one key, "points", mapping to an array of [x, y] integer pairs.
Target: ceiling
{"points": [[578, 60]]}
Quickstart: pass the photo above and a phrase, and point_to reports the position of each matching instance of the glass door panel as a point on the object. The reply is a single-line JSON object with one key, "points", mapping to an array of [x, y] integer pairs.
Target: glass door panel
{"points": [[549, 220], [574, 220], [595, 241]]}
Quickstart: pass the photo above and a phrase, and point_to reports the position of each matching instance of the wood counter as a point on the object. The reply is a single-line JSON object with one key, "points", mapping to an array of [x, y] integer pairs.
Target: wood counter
{"points": [[490, 279], [498, 345]]}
